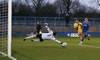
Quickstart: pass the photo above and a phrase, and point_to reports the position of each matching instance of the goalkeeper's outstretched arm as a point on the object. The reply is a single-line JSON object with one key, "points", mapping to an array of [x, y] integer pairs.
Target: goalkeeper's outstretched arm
{"points": [[49, 30]]}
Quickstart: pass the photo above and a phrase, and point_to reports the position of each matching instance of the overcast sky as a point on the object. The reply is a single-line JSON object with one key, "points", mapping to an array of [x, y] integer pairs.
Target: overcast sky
{"points": [[89, 3], [51, 1]]}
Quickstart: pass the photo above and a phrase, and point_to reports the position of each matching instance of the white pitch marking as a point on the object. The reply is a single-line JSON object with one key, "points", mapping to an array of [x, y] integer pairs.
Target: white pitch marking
{"points": [[90, 46]]}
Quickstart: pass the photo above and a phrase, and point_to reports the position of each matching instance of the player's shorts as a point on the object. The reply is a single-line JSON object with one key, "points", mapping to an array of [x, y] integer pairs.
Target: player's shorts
{"points": [[79, 31], [40, 37], [84, 32]]}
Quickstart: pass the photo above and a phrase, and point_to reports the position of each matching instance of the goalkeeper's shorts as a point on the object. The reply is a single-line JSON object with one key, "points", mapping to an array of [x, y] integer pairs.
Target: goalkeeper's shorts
{"points": [[40, 37]]}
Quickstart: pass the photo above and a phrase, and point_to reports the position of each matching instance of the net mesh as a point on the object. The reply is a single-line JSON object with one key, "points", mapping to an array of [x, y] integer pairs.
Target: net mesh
{"points": [[3, 26]]}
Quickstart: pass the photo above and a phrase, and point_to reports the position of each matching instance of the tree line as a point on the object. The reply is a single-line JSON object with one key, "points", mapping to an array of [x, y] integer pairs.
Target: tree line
{"points": [[59, 8]]}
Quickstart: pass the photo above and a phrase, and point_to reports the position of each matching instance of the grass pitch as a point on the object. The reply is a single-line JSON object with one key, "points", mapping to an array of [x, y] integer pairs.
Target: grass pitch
{"points": [[50, 50]]}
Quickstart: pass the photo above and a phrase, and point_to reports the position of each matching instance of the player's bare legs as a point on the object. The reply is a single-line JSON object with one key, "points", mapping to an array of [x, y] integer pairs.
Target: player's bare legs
{"points": [[83, 36], [80, 35], [87, 37]]}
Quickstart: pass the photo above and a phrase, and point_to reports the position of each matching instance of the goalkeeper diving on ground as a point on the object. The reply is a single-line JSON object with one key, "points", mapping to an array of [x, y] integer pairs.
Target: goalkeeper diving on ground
{"points": [[46, 36]]}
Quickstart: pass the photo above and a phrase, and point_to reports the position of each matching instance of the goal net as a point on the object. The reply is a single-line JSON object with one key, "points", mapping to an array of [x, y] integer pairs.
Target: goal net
{"points": [[5, 28]]}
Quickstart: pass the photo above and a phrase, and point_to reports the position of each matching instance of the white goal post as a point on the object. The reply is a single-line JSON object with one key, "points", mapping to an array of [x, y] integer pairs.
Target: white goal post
{"points": [[9, 26], [6, 28]]}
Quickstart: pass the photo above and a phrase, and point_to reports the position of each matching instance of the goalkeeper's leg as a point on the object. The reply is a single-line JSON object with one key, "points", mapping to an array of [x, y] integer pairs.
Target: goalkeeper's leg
{"points": [[33, 36], [36, 40], [40, 38], [57, 41]]}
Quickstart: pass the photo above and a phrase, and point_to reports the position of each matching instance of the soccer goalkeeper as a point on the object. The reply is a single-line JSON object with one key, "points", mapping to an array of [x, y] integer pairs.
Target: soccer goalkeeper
{"points": [[47, 36], [78, 27]]}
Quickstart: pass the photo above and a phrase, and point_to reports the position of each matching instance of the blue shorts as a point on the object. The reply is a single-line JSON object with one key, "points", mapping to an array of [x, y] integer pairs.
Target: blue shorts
{"points": [[84, 32]]}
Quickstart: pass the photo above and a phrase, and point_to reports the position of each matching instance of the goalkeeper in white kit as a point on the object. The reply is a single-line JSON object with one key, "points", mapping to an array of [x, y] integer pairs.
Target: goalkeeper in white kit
{"points": [[46, 36]]}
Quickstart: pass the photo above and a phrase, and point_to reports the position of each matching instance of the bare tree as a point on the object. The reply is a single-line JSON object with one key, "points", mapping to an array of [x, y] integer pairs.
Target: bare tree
{"points": [[60, 8], [37, 4], [66, 6]]}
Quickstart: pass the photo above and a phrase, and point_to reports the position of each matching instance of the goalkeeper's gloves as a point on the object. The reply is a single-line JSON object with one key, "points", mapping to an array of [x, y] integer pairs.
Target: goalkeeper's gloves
{"points": [[46, 24]]}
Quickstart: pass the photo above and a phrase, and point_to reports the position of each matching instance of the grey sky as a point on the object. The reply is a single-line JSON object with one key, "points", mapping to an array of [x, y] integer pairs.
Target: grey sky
{"points": [[51, 1], [91, 3]]}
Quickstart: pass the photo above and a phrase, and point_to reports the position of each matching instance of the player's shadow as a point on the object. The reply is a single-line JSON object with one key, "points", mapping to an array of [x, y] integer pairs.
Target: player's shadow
{"points": [[49, 47]]}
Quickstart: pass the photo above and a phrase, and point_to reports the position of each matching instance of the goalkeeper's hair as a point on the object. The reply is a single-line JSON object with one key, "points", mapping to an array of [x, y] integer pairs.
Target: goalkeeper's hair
{"points": [[38, 22], [54, 33]]}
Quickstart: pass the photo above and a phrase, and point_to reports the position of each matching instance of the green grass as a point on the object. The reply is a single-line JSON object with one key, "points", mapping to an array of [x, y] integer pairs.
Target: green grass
{"points": [[49, 50]]}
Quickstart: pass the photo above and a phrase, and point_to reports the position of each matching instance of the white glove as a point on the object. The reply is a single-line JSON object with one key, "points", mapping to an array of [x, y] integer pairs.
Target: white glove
{"points": [[46, 24]]}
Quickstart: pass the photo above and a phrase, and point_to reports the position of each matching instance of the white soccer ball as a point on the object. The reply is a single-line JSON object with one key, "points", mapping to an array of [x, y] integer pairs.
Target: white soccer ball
{"points": [[64, 44]]}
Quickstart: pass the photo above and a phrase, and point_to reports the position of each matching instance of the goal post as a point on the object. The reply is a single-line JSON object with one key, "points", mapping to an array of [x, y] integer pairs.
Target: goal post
{"points": [[6, 28], [9, 26]]}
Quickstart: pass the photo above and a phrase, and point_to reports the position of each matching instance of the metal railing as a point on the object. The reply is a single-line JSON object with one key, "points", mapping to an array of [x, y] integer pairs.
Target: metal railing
{"points": [[26, 25]]}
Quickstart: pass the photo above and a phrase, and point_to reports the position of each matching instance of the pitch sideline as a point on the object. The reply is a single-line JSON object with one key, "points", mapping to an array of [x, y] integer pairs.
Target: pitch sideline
{"points": [[90, 46]]}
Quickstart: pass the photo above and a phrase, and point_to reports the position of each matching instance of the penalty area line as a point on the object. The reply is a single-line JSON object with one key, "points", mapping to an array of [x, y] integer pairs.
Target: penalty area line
{"points": [[90, 46]]}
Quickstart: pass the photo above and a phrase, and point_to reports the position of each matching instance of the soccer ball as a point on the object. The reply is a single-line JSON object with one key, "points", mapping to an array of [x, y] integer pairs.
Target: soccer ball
{"points": [[64, 44]]}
